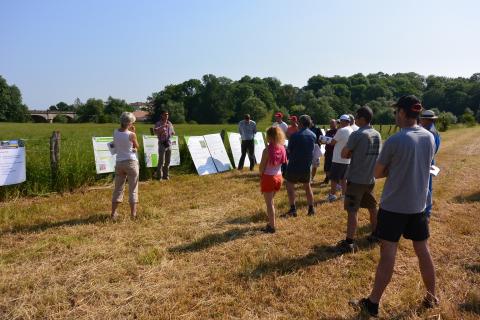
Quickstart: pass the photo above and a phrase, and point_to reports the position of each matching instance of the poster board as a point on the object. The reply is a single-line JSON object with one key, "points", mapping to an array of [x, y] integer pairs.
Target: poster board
{"points": [[202, 159], [218, 152], [259, 146], [104, 159], [12, 162], [235, 141], [150, 149]]}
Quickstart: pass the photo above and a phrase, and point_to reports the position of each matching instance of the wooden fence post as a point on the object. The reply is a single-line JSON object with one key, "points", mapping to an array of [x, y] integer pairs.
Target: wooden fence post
{"points": [[152, 133], [389, 129], [55, 157]]}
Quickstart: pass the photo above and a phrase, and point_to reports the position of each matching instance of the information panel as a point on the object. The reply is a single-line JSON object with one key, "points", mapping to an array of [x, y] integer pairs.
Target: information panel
{"points": [[12, 162], [217, 152], [104, 155], [259, 146], [235, 141], [150, 148], [200, 154]]}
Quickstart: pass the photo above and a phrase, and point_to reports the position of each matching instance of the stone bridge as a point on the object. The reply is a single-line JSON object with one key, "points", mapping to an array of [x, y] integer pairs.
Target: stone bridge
{"points": [[49, 115]]}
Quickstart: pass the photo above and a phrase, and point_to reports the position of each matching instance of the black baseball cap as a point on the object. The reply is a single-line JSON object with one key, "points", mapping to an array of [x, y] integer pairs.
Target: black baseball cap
{"points": [[411, 104]]}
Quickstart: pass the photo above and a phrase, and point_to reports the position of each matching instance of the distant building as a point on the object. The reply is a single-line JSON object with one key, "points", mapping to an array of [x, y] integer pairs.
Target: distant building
{"points": [[142, 116], [140, 105]]}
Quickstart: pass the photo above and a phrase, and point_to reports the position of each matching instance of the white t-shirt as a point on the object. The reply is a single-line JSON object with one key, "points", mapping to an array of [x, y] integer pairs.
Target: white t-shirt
{"points": [[282, 126], [341, 138], [354, 127]]}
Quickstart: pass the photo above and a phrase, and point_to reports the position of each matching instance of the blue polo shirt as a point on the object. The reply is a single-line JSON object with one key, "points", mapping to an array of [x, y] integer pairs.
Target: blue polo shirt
{"points": [[300, 151]]}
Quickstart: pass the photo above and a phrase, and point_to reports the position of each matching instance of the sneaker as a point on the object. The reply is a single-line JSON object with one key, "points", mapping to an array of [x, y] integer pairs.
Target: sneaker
{"points": [[290, 213], [311, 211], [345, 247], [268, 229], [430, 302], [339, 187], [331, 198], [114, 216], [372, 238], [366, 306]]}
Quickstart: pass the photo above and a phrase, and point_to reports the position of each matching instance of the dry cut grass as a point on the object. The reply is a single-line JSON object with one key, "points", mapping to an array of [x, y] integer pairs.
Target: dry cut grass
{"points": [[196, 252]]}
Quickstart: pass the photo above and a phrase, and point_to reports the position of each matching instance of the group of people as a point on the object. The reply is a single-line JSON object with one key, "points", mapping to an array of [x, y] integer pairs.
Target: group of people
{"points": [[354, 158]]}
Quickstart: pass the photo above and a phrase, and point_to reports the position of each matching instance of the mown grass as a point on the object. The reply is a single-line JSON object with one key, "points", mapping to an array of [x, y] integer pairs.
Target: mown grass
{"points": [[196, 252], [77, 167]]}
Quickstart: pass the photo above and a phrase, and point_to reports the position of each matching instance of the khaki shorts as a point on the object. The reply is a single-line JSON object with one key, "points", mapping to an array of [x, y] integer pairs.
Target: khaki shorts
{"points": [[359, 196]]}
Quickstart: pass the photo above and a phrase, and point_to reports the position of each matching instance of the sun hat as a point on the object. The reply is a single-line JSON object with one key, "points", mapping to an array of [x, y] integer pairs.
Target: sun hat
{"points": [[428, 114]]}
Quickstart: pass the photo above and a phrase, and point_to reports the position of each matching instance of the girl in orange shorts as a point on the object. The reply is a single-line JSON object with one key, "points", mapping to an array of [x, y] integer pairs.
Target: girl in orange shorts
{"points": [[273, 156]]}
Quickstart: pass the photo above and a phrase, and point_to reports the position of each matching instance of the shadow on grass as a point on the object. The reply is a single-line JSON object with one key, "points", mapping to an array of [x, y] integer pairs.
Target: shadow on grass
{"points": [[253, 218], [214, 239], [472, 304], [474, 197], [284, 266], [92, 219], [473, 267]]}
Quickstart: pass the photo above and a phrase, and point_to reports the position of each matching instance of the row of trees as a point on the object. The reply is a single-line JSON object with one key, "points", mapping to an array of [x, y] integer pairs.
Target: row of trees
{"points": [[221, 100]]}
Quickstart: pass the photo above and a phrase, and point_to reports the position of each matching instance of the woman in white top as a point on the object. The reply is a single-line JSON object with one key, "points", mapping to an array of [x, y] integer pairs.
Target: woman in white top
{"points": [[126, 145]]}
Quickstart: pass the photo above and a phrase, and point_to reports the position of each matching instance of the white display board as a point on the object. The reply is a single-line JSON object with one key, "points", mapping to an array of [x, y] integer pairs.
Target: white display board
{"points": [[259, 146], [218, 152], [235, 141], [150, 149], [104, 159], [12, 162], [200, 154]]}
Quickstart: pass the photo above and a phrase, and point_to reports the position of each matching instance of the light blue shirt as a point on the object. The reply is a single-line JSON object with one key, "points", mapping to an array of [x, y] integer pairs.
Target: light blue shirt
{"points": [[247, 130]]}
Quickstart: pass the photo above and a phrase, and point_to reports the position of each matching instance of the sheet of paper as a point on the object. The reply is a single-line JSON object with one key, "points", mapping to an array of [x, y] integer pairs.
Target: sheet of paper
{"points": [[218, 152], [104, 159], [200, 155], [434, 170], [150, 149], [12, 162]]}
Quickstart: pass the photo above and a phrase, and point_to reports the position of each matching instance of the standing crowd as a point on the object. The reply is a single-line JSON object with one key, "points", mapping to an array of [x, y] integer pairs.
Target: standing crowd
{"points": [[354, 158]]}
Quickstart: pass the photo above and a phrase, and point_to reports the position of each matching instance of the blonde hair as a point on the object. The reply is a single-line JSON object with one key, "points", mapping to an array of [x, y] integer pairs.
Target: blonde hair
{"points": [[126, 118], [275, 135]]}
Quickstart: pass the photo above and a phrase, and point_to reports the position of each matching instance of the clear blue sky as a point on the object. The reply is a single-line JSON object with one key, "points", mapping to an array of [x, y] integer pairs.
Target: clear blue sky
{"points": [[57, 50]]}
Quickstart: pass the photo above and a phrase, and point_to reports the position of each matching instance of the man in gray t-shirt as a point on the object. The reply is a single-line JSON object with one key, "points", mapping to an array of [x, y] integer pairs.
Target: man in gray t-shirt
{"points": [[363, 147], [405, 162]]}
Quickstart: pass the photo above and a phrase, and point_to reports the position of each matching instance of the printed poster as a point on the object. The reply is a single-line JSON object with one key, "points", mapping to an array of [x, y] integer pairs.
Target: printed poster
{"points": [[12, 162], [203, 161], [150, 149], [104, 157], [235, 141], [218, 152]]}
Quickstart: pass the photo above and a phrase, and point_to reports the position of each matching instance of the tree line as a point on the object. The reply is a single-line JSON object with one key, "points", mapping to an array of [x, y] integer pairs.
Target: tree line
{"points": [[222, 100]]}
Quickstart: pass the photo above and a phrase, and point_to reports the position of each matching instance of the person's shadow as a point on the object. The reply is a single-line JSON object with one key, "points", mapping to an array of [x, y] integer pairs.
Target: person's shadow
{"points": [[92, 219], [319, 253], [213, 239]]}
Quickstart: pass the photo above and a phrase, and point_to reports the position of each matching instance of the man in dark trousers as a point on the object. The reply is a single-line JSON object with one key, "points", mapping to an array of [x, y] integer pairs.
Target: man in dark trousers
{"points": [[405, 162], [247, 129]]}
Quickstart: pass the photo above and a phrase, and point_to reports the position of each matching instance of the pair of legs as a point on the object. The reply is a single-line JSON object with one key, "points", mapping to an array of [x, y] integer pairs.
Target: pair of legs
{"points": [[164, 156], [388, 251], [391, 226], [359, 196], [292, 196], [333, 186], [353, 221], [248, 147], [127, 170], [268, 196]]}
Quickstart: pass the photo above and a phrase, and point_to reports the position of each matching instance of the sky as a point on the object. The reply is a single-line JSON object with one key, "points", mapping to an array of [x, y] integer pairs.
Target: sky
{"points": [[58, 50]]}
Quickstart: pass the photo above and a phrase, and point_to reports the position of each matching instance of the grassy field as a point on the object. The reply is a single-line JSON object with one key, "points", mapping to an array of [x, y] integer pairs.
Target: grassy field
{"points": [[196, 252], [77, 166]]}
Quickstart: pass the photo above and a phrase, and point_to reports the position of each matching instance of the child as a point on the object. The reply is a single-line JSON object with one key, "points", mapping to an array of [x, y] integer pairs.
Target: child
{"points": [[270, 170]]}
